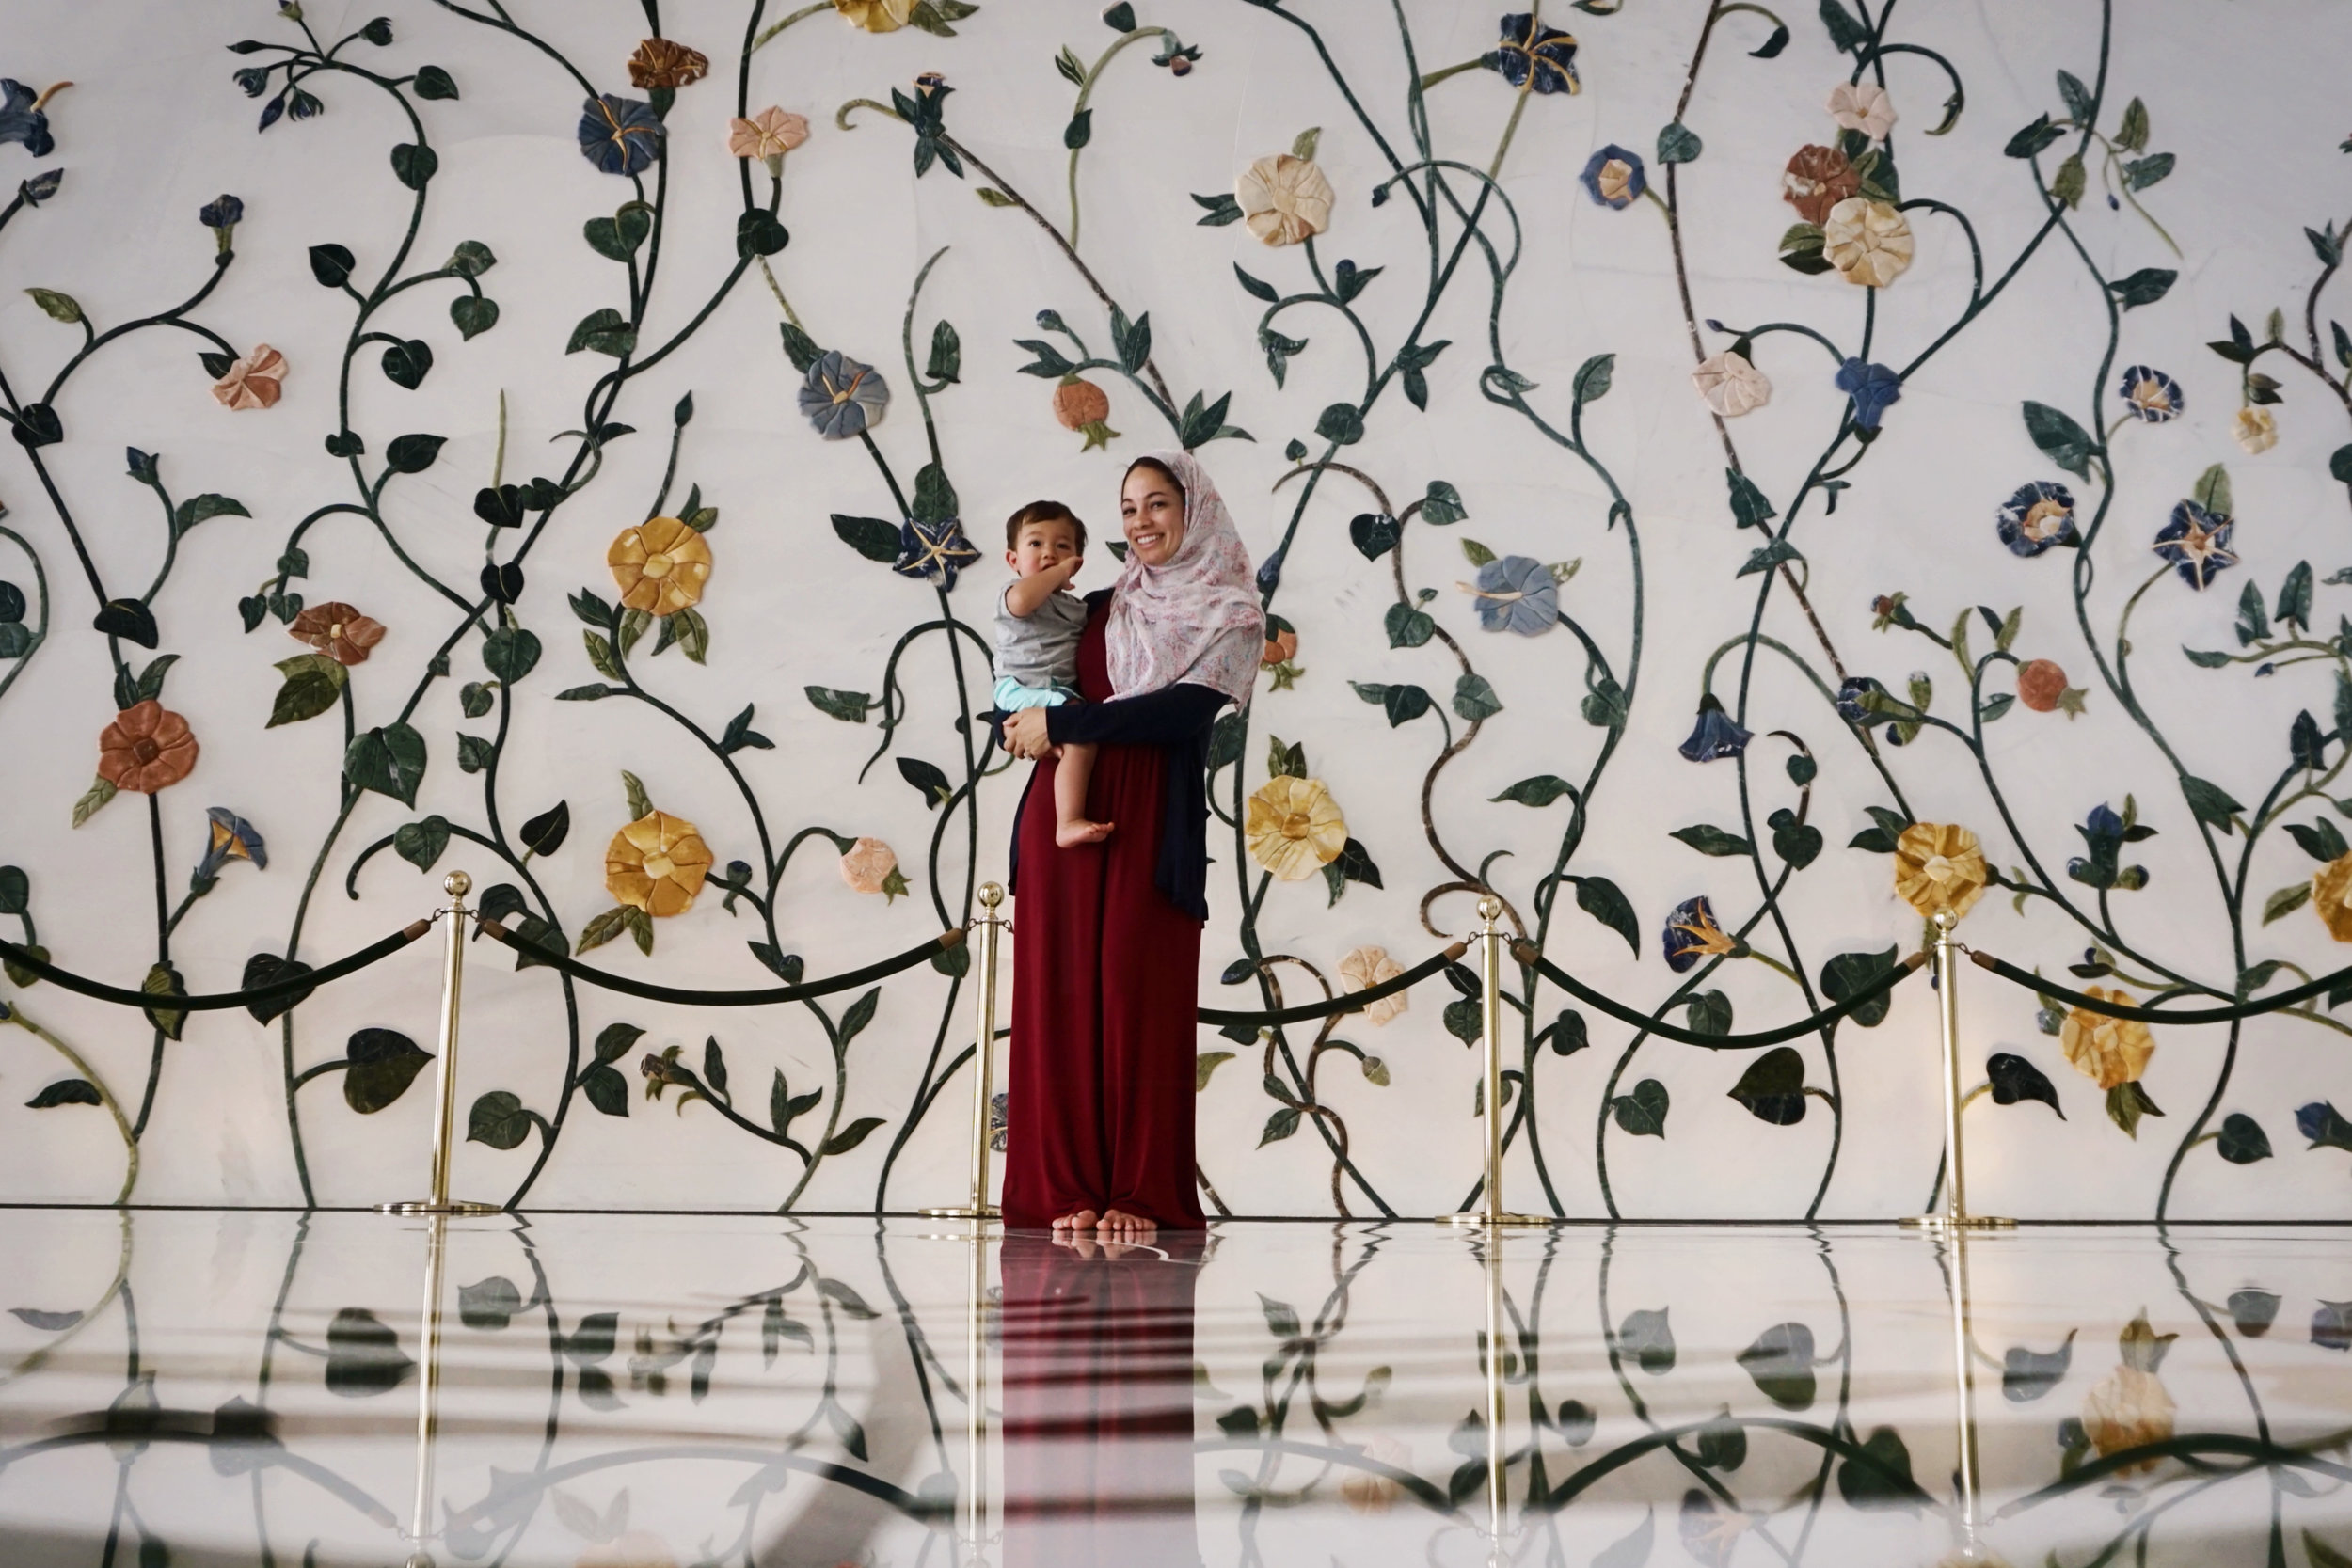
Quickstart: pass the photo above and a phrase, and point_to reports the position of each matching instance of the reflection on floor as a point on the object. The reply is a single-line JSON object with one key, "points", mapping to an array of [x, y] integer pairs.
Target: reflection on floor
{"points": [[204, 1389]]}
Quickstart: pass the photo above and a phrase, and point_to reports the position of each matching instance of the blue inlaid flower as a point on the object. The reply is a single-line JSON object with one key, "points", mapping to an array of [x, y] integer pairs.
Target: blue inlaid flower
{"points": [[233, 839], [224, 212], [1614, 176], [620, 135], [1873, 388], [41, 186], [2039, 515], [933, 551], [1516, 592], [1533, 56], [2150, 394], [1853, 694], [999, 1121], [1715, 735], [21, 118], [841, 397], [1692, 934], [2197, 542]]}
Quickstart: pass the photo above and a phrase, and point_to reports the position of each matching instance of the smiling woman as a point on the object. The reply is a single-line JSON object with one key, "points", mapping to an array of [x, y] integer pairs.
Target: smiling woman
{"points": [[1101, 1077]]}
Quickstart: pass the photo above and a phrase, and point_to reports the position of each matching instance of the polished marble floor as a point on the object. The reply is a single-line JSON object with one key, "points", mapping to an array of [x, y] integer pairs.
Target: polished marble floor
{"points": [[187, 1388]]}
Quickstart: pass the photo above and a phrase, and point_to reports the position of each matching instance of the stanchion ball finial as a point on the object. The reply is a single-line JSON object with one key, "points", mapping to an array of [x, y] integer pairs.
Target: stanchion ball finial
{"points": [[457, 884], [1489, 909], [992, 894], [1945, 920]]}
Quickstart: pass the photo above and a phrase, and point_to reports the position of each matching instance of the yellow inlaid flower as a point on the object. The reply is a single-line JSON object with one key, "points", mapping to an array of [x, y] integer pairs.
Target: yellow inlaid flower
{"points": [[1284, 200], [1295, 828], [2256, 430], [660, 566], [1868, 242], [2331, 897], [876, 16], [655, 865], [2107, 1051], [1939, 867]]}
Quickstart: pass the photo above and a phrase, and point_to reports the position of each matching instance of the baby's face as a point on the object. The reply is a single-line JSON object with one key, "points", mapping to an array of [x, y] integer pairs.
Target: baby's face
{"points": [[1041, 545]]}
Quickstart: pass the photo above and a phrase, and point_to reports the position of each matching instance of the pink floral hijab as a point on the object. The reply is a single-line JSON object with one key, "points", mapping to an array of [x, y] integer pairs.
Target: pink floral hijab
{"points": [[1197, 619]]}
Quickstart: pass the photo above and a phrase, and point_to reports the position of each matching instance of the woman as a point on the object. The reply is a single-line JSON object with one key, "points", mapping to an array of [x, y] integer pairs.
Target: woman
{"points": [[1106, 965]]}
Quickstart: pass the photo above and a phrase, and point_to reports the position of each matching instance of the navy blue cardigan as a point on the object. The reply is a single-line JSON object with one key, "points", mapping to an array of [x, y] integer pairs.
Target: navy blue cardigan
{"points": [[1176, 719]]}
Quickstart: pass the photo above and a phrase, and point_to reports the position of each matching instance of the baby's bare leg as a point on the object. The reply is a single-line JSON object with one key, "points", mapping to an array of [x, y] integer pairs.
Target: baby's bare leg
{"points": [[1071, 777]]}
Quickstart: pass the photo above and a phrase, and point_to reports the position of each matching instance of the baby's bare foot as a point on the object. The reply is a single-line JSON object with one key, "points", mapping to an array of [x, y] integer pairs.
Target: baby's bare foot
{"points": [[1069, 835], [1116, 1224], [1081, 1221]]}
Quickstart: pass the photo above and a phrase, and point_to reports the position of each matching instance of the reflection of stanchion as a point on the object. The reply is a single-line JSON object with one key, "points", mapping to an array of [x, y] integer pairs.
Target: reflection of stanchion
{"points": [[983, 1057], [1498, 1479], [1972, 1550], [428, 1388], [1955, 1213], [445, 1071], [1490, 1210], [976, 1520]]}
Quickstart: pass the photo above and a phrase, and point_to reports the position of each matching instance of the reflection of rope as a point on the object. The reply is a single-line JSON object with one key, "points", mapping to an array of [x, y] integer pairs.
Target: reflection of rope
{"points": [[172, 1002], [2160, 1014], [1526, 953], [764, 997], [1347, 1002]]}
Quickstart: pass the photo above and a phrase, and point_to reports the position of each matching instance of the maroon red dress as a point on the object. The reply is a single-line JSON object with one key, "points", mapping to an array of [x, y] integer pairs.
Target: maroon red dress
{"points": [[1105, 976]]}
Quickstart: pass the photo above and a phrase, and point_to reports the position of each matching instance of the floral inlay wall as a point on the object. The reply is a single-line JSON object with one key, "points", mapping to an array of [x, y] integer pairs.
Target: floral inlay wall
{"points": [[1735, 482]]}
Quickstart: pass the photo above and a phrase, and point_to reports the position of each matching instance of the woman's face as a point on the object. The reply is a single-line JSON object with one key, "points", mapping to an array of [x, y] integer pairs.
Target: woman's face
{"points": [[1152, 510]]}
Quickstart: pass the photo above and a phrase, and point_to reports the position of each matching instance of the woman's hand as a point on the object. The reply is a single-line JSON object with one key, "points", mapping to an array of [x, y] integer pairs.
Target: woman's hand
{"points": [[1026, 735]]}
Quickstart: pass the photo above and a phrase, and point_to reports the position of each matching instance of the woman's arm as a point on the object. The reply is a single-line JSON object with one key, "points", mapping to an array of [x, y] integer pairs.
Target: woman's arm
{"points": [[1168, 717]]}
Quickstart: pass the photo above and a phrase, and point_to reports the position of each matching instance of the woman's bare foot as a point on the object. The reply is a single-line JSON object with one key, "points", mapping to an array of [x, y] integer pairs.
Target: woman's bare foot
{"points": [[1118, 1225], [1069, 835], [1077, 1223]]}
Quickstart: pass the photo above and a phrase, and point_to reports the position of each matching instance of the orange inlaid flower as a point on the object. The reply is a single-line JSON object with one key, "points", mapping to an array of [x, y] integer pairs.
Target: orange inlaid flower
{"points": [[2039, 685], [659, 63], [146, 749], [1281, 647], [655, 865], [254, 381], [1816, 179], [338, 631], [660, 566], [872, 867]]}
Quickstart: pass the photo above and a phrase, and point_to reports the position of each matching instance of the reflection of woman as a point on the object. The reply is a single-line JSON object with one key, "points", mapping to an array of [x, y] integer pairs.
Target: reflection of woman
{"points": [[1108, 957], [1098, 1393]]}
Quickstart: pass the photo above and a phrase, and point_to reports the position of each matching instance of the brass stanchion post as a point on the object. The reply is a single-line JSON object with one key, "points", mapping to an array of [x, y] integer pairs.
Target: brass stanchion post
{"points": [[1955, 1213], [976, 1403], [1490, 1210], [986, 927], [457, 884], [428, 1394]]}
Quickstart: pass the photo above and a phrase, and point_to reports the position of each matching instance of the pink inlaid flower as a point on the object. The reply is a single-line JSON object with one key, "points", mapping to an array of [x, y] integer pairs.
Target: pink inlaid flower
{"points": [[254, 381]]}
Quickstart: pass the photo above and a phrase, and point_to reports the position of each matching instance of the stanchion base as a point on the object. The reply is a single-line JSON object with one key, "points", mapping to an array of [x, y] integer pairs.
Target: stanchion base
{"points": [[1480, 1217], [425, 1206], [1965, 1222], [967, 1213]]}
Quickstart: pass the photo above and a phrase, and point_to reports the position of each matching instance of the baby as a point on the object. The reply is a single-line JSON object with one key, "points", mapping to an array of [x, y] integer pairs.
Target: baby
{"points": [[1038, 622]]}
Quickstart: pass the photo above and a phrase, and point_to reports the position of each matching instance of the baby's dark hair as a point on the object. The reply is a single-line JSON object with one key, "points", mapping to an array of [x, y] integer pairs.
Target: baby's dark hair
{"points": [[1042, 512]]}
